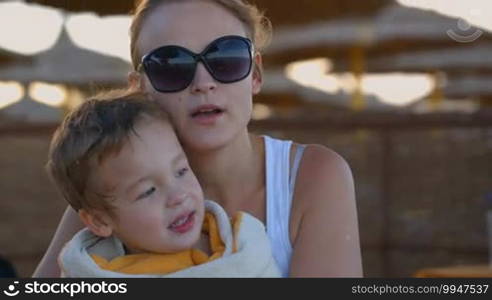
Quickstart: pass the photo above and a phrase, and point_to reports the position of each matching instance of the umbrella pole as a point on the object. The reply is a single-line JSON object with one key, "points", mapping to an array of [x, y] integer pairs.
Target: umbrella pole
{"points": [[437, 96], [357, 63], [357, 59]]}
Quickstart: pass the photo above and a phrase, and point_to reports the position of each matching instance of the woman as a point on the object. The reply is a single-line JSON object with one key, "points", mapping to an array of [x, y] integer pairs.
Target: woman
{"points": [[200, 61]]}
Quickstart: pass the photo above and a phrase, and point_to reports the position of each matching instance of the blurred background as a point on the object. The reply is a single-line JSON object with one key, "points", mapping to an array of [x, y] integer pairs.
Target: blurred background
{"points": [[401, 89]]}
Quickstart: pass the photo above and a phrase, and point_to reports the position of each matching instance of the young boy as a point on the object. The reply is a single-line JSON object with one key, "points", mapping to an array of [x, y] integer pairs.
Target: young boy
{"points": [[118, 162]]}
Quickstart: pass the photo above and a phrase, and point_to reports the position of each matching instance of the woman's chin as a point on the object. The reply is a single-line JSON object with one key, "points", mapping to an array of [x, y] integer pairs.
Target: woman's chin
{"points": [[207, 141]]}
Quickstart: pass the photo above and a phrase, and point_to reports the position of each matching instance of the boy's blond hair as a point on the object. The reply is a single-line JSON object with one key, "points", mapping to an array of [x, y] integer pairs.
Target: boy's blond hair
{"points": [[96, 129]]}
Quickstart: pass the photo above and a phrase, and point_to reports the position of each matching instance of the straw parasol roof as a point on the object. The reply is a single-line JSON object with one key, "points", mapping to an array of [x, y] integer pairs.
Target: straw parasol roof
{"points": [[463, 72], [394, 29], [390, 37], [279, 12], [327, 28], [395, 39], [9, 58], [294, 95], [67, 63], [468, 86], [289, 13], [27, 110], [97, 6], [473, 58]]}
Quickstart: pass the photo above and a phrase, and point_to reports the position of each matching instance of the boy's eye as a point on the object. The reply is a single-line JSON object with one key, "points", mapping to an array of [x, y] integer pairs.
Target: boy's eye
{"points": [[182, 172], [146, 193]]}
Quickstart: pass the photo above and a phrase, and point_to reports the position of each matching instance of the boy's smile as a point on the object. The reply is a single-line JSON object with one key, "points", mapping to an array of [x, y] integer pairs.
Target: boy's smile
{"points": [[183, 223]]}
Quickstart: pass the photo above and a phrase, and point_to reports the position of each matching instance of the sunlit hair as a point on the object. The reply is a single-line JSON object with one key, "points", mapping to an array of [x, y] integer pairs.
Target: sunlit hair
{"points": [[258, 27], [96, 129]]}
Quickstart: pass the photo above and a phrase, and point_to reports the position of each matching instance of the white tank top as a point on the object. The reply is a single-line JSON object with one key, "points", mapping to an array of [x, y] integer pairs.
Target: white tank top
{"points": [[280, 180]]}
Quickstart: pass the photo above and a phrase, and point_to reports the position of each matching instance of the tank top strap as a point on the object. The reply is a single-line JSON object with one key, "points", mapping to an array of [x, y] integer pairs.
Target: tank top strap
{"points": [[295, 167], [280, 180]]}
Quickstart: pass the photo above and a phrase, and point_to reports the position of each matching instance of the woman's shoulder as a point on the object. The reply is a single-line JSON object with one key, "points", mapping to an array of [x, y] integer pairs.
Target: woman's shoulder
{"points": [[324, 179], [323, 223], [312, 152], [321, 160], [318, 162]]}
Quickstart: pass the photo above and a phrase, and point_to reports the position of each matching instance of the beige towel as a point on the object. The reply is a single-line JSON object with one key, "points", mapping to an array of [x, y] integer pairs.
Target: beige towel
{"points": [[247, 252]]}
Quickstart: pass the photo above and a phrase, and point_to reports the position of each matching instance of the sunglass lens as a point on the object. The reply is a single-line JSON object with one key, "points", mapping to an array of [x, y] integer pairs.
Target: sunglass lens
{"points": [[170, 69], [229, 60]]}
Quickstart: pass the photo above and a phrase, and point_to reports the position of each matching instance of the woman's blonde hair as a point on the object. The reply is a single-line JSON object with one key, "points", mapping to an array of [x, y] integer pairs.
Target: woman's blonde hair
{"points": [[258, 27]]}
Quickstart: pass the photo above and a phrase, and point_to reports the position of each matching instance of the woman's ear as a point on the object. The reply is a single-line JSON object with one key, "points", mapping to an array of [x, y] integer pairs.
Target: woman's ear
{"points": [[257, 73], [98, 223], [135, 80]]}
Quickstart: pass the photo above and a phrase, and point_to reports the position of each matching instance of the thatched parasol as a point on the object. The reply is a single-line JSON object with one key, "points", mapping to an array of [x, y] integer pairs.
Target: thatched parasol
{"points": [[279, 12], [367, 44], [393, 30], [460, 72], [66, 64], [27, 110], [326, 28], [8, 58], [69, 64], [278, 90], [357, 37], [468, 86], [472, 58], [100, 7]]}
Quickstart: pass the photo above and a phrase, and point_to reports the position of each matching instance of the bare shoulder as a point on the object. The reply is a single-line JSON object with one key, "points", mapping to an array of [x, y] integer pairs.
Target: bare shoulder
{"points": [[321, 160], [324, 226], [322, 171]]}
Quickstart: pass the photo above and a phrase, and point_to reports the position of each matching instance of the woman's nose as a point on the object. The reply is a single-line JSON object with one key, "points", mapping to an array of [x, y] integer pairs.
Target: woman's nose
{"points": [[203, 82]]}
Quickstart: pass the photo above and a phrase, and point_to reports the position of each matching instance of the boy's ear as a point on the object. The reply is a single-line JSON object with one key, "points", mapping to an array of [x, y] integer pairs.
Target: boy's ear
{"points": [[97, 222]]}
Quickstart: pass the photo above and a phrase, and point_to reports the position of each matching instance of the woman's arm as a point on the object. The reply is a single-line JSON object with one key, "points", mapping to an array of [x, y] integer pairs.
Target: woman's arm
{"points": [[69, 225], [326, 239]]}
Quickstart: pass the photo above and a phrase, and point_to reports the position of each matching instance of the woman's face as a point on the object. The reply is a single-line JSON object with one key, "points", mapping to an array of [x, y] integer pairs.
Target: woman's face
{"points": [[193, 25]]}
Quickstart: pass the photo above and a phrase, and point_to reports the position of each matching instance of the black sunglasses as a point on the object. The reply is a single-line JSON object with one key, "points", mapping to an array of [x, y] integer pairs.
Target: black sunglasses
{"points": [[172, 68]]}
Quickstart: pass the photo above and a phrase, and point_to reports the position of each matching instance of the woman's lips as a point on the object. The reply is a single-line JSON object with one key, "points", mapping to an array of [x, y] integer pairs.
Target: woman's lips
{"points": [[183, 223], [208, 118], [207, 114]]}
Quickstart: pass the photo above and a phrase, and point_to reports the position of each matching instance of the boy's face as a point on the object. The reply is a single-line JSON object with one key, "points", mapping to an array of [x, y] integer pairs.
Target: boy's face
{"points": [[158, 201]]}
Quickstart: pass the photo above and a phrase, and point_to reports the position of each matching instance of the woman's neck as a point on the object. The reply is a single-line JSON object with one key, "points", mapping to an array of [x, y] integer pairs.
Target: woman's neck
{"points": [[231, 173]]}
